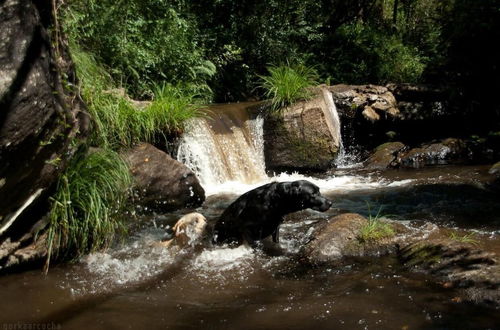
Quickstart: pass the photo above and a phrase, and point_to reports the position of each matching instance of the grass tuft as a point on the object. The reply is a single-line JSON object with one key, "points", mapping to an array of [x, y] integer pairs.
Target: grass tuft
{"points": [[375, 229], [287, 84], [466, 238], [86, 207]]}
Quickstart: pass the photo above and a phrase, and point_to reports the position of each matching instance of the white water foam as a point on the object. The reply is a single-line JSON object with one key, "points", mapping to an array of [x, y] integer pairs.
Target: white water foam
{"points": [[232, 161], [223, 259], [344, 183], [131, 263]]}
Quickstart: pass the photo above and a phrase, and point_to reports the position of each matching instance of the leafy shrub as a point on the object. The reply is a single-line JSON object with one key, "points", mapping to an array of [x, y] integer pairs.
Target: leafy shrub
{"points": [[364, 54], [88, 199], [142, 42], [288, 84]]}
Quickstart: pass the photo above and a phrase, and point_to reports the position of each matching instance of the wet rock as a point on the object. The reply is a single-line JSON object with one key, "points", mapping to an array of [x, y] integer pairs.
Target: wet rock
{"points": [[367, 113], [495, 169], [340, 237], [445, 152], [303, 137], [384, 156], [162, 182], [461, 265], [374, 102]]}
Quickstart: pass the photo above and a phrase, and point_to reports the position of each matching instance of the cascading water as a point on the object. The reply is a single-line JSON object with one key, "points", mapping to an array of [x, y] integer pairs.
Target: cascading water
{"points": [[343, 159], [225, 147]]}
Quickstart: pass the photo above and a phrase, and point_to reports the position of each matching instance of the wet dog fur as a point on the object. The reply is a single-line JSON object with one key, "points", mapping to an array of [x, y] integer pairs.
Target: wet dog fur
{"points": [[188, 230], [258, 213]]}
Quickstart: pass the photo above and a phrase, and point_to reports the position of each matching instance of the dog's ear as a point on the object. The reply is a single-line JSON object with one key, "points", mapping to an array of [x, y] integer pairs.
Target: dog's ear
{"points": [[179, 227]]}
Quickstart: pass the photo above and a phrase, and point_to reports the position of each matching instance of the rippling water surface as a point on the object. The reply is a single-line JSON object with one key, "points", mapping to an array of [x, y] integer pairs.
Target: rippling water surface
{"points": [[138, 285]]}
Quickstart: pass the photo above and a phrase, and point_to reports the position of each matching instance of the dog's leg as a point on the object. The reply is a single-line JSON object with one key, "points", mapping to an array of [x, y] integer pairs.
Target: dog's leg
{"points": [[276, 235]]}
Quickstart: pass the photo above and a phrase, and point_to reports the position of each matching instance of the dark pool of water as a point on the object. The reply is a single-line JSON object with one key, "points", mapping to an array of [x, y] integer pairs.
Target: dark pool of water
{"points": [[138, 286]]}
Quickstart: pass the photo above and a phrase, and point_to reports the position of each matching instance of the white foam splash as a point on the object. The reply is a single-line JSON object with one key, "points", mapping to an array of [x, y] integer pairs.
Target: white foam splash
{"points": [[131, 263], [223, 259], [345, 183]]}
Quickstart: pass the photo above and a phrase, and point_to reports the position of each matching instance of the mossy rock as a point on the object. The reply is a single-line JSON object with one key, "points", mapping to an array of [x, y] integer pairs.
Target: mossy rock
{"points": [[300, 138]]}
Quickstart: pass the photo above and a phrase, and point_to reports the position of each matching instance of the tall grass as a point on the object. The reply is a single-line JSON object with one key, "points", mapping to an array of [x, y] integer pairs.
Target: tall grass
{"points": [[171, 108], [89, 198], [287, 84], [117, 123]]}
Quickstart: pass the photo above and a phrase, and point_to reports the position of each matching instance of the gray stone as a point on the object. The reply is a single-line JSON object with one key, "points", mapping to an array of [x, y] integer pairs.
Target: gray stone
{"points": [[374, 102]]}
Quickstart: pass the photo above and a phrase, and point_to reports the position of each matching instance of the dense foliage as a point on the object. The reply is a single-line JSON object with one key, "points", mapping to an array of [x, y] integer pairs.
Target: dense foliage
{"points": [[227, 44]]}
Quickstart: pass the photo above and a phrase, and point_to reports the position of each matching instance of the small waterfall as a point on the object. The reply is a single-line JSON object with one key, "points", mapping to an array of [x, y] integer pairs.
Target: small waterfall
{"points": [[225, 146], [343, 159]]}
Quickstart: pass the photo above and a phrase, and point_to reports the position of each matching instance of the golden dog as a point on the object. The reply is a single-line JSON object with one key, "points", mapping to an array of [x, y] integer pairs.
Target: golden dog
{"points": [[188, 231]]}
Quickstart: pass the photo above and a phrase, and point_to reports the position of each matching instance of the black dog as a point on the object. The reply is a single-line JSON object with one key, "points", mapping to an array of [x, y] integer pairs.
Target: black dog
{"points": [[258, 213]]}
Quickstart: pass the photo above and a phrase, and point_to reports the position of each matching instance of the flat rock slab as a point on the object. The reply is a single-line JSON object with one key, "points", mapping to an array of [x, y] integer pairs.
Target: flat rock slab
{"points": [[459, 265]]}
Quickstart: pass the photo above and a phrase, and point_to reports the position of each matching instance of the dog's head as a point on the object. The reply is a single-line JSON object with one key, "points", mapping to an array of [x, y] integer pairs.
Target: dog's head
{"points": [[306, 194], [189, 228]]}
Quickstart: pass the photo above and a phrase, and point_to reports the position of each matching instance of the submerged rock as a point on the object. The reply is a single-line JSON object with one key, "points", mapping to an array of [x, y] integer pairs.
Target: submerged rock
{"points": [[303, 137], [162, 182], [460, 265]]}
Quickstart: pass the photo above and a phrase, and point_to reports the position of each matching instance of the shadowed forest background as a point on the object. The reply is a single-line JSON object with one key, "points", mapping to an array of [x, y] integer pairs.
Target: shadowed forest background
{"points": [[217, 48]]}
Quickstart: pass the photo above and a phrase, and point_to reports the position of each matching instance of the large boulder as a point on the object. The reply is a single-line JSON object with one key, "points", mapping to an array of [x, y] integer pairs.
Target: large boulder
{"points": [[303, 137], [162, 182], [41, 114]]}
